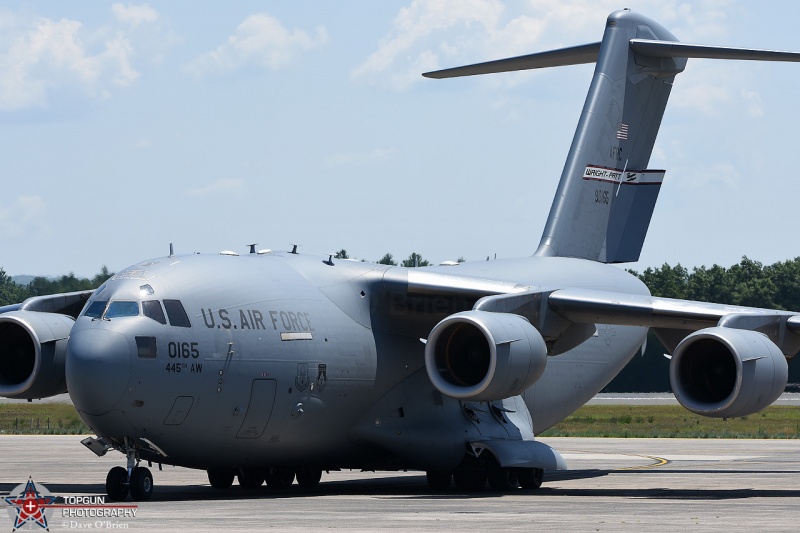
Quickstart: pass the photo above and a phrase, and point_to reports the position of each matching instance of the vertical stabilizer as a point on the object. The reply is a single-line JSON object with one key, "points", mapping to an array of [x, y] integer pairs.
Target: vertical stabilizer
{"points": [[606, 196]]}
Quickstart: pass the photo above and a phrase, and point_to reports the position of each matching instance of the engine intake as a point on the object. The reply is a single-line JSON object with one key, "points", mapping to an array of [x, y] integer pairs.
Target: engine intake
{"points": [[726, 373], [33, 349], [484, 356]]}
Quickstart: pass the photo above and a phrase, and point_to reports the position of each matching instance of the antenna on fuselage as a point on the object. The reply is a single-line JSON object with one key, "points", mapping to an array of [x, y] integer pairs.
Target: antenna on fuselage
{"points": [[252, 248], [171, 251], [294, 249]]}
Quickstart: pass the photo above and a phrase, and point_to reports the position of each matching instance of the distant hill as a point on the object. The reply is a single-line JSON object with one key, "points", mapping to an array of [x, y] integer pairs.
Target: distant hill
{"points": [[22, 280]]}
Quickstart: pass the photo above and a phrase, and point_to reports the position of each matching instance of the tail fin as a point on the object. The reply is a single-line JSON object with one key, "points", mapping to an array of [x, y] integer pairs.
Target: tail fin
{"points": [[606, 197]]}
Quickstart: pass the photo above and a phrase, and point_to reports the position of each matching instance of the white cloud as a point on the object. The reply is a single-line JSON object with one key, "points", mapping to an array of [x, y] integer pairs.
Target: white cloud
{"points": [[40, 56], [755, 107], [221, 186], [26, 215], [261, 40], [702, 88], [133, 14], [432, 34], [721, 175], [410, 48]]}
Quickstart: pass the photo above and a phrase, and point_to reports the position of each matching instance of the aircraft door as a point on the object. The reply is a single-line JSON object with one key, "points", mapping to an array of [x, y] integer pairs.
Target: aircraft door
{"points": [[259, 410]]}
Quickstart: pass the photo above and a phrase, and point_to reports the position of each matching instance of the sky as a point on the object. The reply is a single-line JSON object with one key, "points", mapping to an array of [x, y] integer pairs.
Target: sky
{"points": [[125, 127]]}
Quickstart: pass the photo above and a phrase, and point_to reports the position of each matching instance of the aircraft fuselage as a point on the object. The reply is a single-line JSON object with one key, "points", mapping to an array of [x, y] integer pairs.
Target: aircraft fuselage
{"points": [[230, 361]]}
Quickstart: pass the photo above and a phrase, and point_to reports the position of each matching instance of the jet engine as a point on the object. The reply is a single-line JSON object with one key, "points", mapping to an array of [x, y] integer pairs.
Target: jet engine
{"points": [[484, 356], [33, 348], [725, 373]]}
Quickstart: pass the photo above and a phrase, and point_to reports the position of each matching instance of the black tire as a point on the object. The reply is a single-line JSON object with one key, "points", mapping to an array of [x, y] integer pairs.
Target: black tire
{"points": [[503, 479], [220, 478], [117, 484], [438, 481], [250, 478], [141, 484], [280, 478], [470, 480], [308, 476], [530, 478]]}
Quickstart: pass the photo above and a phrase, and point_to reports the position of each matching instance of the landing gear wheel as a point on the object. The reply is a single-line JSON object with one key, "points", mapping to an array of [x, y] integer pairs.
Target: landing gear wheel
{"points": [[438, 481], [530, 478], [220, 478], [503, 479], [117, 484], [141, 484], [471, 480], [250, 478], [280, 478], [308, 476]]}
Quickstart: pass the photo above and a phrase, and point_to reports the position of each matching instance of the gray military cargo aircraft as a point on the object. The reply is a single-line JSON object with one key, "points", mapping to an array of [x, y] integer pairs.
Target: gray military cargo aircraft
{"points": [[276, 366]]}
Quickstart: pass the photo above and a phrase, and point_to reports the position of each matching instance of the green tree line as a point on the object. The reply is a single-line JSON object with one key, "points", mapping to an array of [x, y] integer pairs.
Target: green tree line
{"points": [[748, 283], [12, 293]]}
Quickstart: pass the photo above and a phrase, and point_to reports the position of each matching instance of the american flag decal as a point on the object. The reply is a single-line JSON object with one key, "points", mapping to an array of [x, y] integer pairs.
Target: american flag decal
{"points": [[622, 131]]}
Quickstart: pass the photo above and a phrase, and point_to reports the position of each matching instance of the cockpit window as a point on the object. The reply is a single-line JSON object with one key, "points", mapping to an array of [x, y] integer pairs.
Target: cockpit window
{"points": [[119, 309], [96, 308], [152, 309], [177, 314]]}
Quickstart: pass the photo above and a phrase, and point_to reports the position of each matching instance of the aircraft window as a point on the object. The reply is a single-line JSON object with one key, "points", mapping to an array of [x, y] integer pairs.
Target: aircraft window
{"points": [[121, 308], [177, 314], [152, 309], [96, 308], [146, 347]]}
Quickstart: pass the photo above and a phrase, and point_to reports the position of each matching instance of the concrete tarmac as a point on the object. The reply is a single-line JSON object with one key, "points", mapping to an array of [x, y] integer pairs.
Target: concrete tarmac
{"points": [[614, 485], [666, 398]]}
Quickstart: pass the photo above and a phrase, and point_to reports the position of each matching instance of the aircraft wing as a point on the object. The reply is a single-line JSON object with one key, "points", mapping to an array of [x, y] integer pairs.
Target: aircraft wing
{"points": [[67, 303], [672, 319]]}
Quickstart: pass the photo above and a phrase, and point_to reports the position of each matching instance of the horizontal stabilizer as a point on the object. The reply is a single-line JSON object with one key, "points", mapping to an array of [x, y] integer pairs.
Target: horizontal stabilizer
{"points": [[654, 48], [574, 55]]}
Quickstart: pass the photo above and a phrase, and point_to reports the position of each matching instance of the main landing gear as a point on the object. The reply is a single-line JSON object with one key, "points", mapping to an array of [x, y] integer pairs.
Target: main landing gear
{"points": [[135, 480], [475, 479]]}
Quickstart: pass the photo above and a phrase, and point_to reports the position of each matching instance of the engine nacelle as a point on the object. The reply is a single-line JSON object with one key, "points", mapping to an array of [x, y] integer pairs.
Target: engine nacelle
{"points": [[484, 356], [33, 349], [725, 373]]}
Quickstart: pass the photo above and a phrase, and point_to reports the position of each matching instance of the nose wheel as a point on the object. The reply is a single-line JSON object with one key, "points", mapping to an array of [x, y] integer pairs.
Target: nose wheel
{"points": [[117, 486], [139, 485], [134, 480]]}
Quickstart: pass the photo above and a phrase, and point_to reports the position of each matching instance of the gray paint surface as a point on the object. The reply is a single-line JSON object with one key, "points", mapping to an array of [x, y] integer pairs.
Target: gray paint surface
{"points": [[292, 361]]}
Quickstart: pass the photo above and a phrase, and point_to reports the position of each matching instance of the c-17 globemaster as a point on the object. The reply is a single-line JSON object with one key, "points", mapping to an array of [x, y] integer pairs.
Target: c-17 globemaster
{"points": [[277, 366]]}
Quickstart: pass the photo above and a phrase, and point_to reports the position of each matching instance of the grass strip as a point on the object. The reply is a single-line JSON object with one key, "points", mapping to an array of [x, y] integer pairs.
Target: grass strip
{"points": [[634, 421], [673, 421], [40, 419]]}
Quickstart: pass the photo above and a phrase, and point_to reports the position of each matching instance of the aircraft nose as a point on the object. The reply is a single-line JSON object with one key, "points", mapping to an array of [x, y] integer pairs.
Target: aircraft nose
{"points": [[98, 368]]}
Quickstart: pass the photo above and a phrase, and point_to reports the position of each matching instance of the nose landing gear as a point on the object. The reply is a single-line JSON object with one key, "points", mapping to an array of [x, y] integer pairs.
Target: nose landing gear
{"points": [[135, 480]]}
